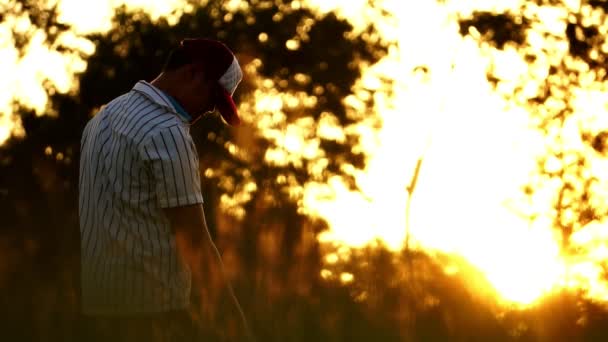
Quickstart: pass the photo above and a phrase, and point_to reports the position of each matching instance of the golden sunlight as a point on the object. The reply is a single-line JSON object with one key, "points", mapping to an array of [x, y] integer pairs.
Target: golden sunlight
{"points": [[23, 78], [476, 151], [475, 154]]}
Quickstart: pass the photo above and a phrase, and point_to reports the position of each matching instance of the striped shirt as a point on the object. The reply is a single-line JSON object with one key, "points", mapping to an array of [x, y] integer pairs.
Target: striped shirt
{"points": [[137, 157]]}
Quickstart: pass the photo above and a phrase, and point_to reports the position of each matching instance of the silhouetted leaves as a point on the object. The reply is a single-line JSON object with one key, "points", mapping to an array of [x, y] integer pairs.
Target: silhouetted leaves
{"points": [[567, 167], [599, 4], [271, 247], [42, 16], [497, 28], [39, 177], [552, 107]]}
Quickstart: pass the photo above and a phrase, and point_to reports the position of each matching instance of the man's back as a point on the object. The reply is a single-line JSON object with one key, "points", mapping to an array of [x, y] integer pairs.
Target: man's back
{"points": [[137, 157]]}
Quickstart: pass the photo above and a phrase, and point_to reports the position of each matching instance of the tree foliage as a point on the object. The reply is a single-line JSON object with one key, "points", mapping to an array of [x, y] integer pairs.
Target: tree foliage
{"points": [[288, 289], [252, 203], [41, 14], [566, 61]]}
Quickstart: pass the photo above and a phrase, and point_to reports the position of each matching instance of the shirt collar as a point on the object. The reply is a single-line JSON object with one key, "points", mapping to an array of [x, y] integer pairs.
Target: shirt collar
{"points": [[163, 99], [178, 108]]}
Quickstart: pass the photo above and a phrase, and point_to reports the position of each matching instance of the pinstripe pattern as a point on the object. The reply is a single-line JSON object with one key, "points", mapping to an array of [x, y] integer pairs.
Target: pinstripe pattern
{"points": [[137, 157]]}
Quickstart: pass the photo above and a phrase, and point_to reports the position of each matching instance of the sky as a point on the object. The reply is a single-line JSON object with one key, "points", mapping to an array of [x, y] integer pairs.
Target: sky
{"points": [[477, 152]]}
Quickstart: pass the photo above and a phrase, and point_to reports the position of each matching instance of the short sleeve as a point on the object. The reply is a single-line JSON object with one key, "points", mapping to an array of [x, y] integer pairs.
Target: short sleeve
{"points": [[173, 161]]}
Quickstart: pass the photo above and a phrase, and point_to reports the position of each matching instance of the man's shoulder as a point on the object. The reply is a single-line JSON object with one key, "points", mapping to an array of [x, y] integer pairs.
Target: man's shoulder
{"points": [[139, 117], [167, 127], [116, 102]]}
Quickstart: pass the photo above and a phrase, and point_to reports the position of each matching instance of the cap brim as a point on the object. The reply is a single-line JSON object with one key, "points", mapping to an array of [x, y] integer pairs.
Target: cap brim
{"points": [[227, 108]]}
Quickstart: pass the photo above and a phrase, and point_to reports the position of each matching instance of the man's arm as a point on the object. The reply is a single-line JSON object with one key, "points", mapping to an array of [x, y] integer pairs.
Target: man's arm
{"points": [[196, 247], [193, 240]]}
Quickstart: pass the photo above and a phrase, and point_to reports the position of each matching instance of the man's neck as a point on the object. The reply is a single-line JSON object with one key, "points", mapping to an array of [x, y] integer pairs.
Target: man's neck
{"points": [[164, 83]]}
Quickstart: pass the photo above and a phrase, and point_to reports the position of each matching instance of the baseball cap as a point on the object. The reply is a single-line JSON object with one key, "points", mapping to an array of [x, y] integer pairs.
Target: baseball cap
{"points": [[223, 67]]}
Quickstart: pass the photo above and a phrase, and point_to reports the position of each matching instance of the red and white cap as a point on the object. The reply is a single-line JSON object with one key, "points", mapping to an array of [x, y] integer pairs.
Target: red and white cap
{"points": [[223, 67]]}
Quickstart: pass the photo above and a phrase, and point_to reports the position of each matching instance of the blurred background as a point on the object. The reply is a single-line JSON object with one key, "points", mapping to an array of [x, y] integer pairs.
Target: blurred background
{"points": [[406, 171]]}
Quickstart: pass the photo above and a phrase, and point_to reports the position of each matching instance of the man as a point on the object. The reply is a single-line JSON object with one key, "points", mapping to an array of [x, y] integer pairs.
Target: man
{"points": [[144, 238]]}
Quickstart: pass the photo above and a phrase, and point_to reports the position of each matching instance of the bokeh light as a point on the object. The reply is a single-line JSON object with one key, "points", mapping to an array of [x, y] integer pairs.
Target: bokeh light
{"points": [[476, 149]]}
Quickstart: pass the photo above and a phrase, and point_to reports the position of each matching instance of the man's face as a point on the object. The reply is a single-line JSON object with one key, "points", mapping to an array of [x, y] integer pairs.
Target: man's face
{"points": [[199, 92], [203, 95]]}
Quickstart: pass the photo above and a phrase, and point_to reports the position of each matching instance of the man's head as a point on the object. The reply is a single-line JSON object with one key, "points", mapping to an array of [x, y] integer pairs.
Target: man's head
{"points": [[202, 74]]}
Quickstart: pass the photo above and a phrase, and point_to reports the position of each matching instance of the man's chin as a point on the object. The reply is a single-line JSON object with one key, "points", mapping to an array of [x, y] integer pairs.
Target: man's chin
{"points": [[200, 116], [207, 111]]}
